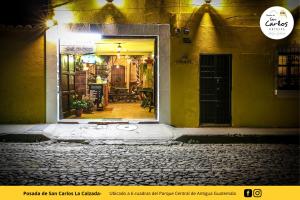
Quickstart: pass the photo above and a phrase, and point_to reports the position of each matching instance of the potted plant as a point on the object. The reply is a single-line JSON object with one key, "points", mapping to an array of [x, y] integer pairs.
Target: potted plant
{"points": [[89, 105], [79, 105]]}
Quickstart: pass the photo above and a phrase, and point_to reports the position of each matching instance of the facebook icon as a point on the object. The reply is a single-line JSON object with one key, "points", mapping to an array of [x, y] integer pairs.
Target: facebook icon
{"points": [[247, 193]]}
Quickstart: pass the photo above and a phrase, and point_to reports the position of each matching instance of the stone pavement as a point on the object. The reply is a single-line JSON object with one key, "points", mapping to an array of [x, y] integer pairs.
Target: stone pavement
{"points": [[53, 163]]}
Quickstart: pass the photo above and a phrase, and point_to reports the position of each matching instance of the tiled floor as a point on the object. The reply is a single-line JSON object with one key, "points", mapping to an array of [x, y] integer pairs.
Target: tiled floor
{"points": [[120, 111]]}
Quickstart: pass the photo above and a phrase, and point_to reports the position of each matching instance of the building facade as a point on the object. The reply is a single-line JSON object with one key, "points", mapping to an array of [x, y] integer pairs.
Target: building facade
{"points": [[214, 65]]}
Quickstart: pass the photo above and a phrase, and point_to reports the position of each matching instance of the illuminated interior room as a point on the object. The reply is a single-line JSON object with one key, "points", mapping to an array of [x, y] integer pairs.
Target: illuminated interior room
{"points": [[107, 77]]}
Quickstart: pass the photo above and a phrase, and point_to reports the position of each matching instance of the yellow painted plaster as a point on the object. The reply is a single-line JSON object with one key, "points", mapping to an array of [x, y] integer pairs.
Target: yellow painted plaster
{"points": [[22, 77], [221, 28]]}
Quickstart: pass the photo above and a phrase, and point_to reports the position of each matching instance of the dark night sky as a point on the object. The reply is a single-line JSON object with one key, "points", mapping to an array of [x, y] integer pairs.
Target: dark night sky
{"points": [[23, 12]]}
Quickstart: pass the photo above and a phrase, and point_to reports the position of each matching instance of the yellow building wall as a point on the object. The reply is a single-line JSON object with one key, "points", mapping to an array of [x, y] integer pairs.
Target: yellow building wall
{"points": [[230, 26], [22, 77], [233, 30]]}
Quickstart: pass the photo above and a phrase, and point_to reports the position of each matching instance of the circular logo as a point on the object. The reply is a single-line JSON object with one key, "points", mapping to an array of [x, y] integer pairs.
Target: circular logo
{"points": [[276, 22]]}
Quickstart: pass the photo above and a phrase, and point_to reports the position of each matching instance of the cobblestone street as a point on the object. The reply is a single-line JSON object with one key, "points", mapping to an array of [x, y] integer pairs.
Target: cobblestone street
{"points": [[178, 164]]}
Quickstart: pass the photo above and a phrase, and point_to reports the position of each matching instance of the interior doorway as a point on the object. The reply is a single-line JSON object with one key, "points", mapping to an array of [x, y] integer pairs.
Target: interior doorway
{"points": [[215, 89], [110, 78]]}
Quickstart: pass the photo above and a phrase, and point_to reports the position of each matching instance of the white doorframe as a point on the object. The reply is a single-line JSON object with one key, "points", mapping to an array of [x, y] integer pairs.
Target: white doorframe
{"points": [[162, 32]]}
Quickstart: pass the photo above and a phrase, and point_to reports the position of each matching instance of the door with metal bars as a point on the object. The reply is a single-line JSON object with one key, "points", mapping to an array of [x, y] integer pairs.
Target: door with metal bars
{"points": [[215, 89]]}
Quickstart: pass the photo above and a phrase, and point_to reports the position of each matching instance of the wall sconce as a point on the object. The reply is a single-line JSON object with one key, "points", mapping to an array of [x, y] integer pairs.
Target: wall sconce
{"points": [[177, 31], [186, 31], [207, 1], [50, 23], [119, 48]]}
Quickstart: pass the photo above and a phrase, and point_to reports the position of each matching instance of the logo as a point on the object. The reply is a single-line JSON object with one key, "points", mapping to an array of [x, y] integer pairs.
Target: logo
{"points": [[257, 192], [254, 193], [276, 22], [247, 193]]}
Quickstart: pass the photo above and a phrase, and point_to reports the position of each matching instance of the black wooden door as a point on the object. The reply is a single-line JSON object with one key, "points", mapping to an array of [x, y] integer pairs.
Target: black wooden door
{"points": [[67, 84], [215, 89]]}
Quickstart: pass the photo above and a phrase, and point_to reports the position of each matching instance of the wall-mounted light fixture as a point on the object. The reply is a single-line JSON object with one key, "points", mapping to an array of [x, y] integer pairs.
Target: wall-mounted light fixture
{"points": [[119, 51], [176, 31], [117, 3], [50, 23], [119, 48], [185, 30]]}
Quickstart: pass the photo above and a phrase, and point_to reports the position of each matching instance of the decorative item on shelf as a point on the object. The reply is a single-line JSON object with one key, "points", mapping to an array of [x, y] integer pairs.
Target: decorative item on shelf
{"points": [[102, 71], [104, 81], [98, 80], [91, 79]]}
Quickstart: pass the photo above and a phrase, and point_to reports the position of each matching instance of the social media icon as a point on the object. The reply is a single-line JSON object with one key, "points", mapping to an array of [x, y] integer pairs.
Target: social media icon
{"points": [[257, 192], [247, 193]]}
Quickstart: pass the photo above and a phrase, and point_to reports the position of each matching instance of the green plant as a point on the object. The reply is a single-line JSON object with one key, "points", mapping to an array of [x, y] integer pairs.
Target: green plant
{"points": [[79, 104], [78, 63], [90, 106]]}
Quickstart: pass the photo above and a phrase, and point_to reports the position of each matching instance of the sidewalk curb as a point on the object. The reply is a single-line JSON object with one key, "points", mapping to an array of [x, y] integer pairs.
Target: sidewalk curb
{"points": [[24, 138], [145, 134], [242, 139]]}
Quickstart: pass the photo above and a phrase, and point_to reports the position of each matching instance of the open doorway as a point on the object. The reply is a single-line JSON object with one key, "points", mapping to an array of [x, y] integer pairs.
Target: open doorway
{"points": [[109, 78]]}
